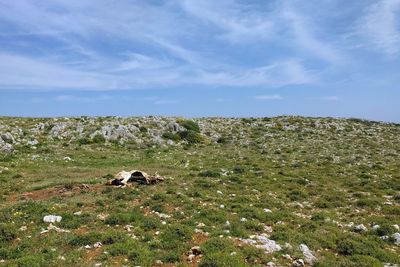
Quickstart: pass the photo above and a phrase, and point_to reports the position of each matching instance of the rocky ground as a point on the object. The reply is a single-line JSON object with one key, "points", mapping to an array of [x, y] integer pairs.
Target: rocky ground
{"points": [[284, 191]]}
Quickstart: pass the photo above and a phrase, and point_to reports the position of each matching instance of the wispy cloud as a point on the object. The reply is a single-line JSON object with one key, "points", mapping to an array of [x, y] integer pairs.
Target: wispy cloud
{"points": [[166, 102], [233, 19], [380, 26], [72, 98], [330, 98], [82, 45], [268, 97], [304, 38]]}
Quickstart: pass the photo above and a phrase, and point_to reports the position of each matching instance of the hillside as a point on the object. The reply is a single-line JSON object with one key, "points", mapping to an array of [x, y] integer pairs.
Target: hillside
{"points": [[283, 191]]}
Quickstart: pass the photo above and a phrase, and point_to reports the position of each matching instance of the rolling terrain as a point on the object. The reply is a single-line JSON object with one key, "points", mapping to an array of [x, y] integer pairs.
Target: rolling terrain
{"points": [[282, 191]]}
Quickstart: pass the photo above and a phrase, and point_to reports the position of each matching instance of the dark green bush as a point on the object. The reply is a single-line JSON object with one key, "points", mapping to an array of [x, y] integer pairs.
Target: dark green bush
{"points": [[191, 137], [8, 232], [83, 141], [98, 139], [385, 229], [172, 136], [209, 173], [190, 125]]}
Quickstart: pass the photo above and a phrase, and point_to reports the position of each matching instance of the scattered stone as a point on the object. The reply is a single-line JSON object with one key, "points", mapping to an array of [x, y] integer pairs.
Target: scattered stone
{"points": [[7, 148], [162, 215], [78, 213], [52, 218], [159, 262], [8, 138], [35, 157], [267, 229], [170, 142], [270, 264], [55, 228], [396, 226], [384, 238], [376, 227], [360, 228], [396, 238], [128, 227], [61, 258], [298, 263], [190, 257], [263, 242], [102, 216], [32, 142], [287, 256], [23, 228], [97, 245], [308, 256], [243, 219], [267, 210], [67, 159]]}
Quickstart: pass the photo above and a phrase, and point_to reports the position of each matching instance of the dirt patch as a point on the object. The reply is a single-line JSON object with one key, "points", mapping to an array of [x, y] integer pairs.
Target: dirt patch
{"points": [[92, 254], [199, 238], [62, 191], [82, 230]]}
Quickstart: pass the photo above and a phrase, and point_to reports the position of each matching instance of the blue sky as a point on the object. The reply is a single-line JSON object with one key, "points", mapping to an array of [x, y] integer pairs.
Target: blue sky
{"points": [[200, 58]]}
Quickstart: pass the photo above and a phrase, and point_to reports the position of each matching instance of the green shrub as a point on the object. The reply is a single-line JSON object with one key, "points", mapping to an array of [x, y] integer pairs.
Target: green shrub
{"points": [[8, 232], [320, 216], [143, 129], [171, 136], [217, 252], [238, 170], [141, 256], [209, 173], [98, 139], [191, 137], [122, 248], [83, 141], [190, 125], [385, 229], [223, 140], [366, 202], [297, 195], [85, 239], [33, 260], [222, 259]]}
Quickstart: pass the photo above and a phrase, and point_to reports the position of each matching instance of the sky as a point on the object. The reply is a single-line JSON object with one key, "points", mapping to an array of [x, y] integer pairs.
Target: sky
{"points": [[196, 58]]}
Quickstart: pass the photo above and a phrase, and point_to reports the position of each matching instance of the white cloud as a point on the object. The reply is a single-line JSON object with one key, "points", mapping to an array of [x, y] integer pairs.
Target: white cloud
{"points": [[223, 100], [24, 72], [303, 36], [380, 26], [166, 102], [330, 98], [168, 57], [72, 98], [237, 23], [275, 75], [268, 97]]}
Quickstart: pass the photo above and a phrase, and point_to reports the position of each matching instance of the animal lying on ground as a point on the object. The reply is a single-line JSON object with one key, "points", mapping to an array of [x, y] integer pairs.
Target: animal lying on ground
{"points": [[123, 178]]}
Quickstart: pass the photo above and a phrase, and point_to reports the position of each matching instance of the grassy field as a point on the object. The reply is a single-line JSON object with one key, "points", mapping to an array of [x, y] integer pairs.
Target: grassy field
{"points": [[296, 180]]}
